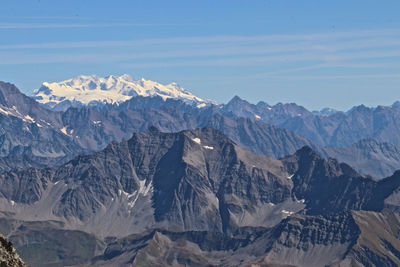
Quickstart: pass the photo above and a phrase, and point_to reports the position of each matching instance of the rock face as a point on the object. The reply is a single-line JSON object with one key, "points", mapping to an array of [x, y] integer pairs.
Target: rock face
{"points": [[378, 243], [8, 256], [192, 180], [330, 187]]}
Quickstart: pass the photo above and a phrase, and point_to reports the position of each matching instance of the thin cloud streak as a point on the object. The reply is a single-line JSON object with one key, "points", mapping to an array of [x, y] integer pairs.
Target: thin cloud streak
{"points": [[277, 53], [276, 74], [250, 50], [266, 47], [50, 17], [341, 77], [371, 36], [241, 60], [9, 26], [8, 58]]}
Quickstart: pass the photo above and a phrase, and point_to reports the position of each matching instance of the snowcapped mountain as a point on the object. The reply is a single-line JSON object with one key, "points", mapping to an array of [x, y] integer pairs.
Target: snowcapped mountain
{"points": [[93, 90]]}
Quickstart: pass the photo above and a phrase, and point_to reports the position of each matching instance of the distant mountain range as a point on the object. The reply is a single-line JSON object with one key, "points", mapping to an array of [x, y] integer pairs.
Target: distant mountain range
{"points": [[329, 129], [37, 137]]}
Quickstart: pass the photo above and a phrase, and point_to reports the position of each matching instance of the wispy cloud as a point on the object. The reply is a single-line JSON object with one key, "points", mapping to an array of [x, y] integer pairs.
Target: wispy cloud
{"points": [[151, 60], [16, 17], [8, 26], [282, 54], [342, 77], [318, 40]]}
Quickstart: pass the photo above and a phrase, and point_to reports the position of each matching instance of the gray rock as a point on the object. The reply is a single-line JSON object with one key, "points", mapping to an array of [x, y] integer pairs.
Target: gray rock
{"points": [[8, 256]]}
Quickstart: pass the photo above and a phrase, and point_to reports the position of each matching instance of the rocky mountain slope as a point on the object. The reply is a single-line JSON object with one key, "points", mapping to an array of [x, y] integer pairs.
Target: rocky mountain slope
{"points": [[192, 180], [367, 156], [8, 256], [31, 134], [179, 192], [349, 239]]}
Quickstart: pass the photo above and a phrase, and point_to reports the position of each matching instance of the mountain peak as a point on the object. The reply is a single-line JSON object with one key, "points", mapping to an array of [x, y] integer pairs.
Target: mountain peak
{"points": [[153, 129], [9, 94], [237, 99], [91, 89], [396, 104], [237, 103], [307, 152]]}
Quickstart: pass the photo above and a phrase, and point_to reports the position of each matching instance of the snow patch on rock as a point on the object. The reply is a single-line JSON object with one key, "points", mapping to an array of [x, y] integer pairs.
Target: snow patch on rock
{"points": [[143, 190], [197, 140], [287, 212]]}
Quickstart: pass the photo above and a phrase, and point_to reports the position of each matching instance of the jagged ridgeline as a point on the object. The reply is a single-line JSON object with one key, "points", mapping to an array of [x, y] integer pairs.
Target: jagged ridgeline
{"points": [[197, 198], [31, 135]]}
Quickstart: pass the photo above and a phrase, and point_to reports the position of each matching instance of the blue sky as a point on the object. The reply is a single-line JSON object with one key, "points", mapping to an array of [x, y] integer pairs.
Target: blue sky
{"points": [[315, 53]]}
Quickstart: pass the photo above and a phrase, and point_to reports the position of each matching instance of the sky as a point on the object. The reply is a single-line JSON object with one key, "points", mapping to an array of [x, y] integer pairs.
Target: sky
{"points": [[317, 54]]}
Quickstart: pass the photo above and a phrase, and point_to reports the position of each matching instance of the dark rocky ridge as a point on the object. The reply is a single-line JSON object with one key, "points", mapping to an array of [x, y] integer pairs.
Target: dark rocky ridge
{"points": [[192, 180], [330, 187], [196, 187], [334, 240]]}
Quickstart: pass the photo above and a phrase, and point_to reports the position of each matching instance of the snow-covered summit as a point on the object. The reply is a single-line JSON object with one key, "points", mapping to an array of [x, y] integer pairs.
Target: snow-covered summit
{"points": [[88, 90]]}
